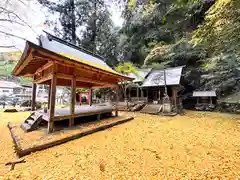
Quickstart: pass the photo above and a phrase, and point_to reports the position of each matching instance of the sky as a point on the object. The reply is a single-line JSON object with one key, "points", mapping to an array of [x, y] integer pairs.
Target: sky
{"points": [[35, 16], [30, 13]]}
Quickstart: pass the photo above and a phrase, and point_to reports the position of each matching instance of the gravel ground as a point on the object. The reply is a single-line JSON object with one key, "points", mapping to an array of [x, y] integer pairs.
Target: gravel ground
{"points": [[197, 145]]}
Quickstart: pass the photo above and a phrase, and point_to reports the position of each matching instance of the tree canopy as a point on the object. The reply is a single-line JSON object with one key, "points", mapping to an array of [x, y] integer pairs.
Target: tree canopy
{"points": [[87, 24], [202, 35]]}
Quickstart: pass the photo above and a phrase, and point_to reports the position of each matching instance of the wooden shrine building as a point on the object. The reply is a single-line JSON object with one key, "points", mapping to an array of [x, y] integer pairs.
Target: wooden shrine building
{"points": [[55, 62], [206, 100], [152, 85]]}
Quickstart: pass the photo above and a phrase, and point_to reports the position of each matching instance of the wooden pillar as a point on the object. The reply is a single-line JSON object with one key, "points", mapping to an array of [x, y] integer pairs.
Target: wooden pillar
{"points": [[210, 100], [73, 100], [138, 92], [49, 94], [197, 100], [129, 93], [159, 95], [117, 100], [141, 92], [33, 104], [174, 95], [80, 98], [147, 95], [90, 97], [52, 103]]}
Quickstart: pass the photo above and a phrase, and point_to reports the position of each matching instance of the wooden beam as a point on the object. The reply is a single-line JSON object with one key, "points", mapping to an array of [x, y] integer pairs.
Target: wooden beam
{"points": [[64, 76], [81, 65], [33, 104], [65, 64], [28, 75], [43, 79], [83, 79], [25, 59], [49, 64], [73, 100], [105, 86]]}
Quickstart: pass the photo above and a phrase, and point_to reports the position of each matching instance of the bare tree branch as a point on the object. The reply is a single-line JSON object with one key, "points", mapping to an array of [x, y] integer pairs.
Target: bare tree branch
{"points": [[17, 16], [9, 34], [22, 2], [11, 21]]}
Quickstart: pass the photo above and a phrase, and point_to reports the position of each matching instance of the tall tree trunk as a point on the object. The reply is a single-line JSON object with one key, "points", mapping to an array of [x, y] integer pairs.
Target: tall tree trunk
{"points": [[94, 30], [73, 24]]}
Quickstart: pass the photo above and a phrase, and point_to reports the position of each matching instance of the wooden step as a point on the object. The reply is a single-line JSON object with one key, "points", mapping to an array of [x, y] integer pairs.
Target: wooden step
{"points": [[151, 108], [26, 127], [34, 116], [37, 114], [30, 122]]}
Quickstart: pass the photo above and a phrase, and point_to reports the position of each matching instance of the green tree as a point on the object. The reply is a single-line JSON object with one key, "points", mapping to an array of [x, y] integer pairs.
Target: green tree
{"points": [[125, 69], [219, 37], [149, 24], [87, 24]]}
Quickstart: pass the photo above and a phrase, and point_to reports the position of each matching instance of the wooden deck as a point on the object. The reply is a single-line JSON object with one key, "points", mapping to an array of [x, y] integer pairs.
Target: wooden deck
{"points": [[26, 143], [80, 111]]}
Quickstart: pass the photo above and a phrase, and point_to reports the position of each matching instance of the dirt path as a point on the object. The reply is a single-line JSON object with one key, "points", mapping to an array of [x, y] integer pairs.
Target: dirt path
{"points": [[197, 145]]}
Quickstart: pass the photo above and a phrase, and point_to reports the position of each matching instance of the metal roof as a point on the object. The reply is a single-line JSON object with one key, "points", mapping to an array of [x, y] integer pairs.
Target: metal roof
{"points": [[140, 74], [52, 48], [8, 84], [204, 94], [56, 45], [156, 77]]}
